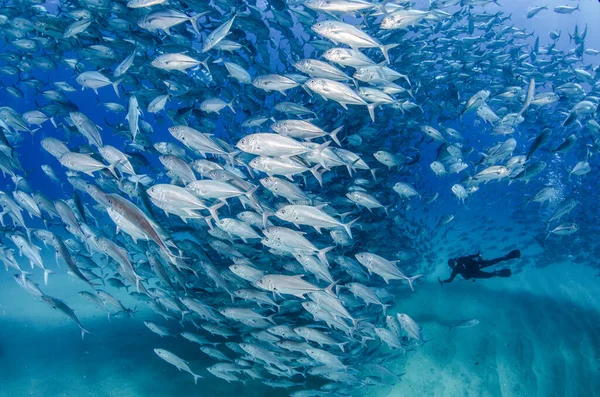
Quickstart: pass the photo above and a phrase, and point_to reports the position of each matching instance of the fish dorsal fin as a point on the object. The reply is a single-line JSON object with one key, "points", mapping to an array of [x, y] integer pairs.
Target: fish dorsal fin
{"points": [[320, 205]]}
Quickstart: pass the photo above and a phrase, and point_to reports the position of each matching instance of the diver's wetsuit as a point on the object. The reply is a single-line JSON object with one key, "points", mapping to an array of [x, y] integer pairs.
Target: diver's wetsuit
{"points": [[470, 267]]}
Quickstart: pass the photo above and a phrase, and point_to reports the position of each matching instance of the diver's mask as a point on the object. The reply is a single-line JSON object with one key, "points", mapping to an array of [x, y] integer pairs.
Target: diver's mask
{"points": [[452, 262]]}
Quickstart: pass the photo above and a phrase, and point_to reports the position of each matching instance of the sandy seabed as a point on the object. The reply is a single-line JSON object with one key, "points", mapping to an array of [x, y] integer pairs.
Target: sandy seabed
{"points": [[539, 335]]}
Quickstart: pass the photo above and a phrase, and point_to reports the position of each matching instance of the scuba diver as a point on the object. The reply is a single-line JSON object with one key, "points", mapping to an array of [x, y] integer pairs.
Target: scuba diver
{"points": [[470, 266]]}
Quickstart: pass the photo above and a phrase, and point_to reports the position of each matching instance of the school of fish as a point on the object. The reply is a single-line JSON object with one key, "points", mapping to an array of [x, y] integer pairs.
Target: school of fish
{"points": [[256, 191]]}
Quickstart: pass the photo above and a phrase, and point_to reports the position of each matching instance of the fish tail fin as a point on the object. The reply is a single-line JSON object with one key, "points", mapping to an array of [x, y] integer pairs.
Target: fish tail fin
{"points": [[196, 377], [322, 255], [115, 85], [172, 257], [386, 208], [319, 150], [205, 63], [112, 167], [318, 176], [308, 91], [385, 49], [350, 166], [371, 109], [364, 339], [342, 216], [194, 21], [341, 346], [213, 210], [407, 79], [373, 171], [355, 322], [411, 280], [265, 217], [333, 135], [232, 155], [83, 332], [183, 313], [329, 289], [250, 194], [230, 105], [47, 272], [138, 278], [348, 225], [131, 312], [384, 307], [381, 7]]}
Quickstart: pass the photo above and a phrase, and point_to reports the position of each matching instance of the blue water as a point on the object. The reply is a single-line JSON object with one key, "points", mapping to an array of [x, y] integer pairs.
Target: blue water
{"points": [[538, 331]]}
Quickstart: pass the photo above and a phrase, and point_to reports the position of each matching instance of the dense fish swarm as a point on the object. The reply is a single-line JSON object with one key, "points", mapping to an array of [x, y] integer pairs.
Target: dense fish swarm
{"points": [[271, 221]]}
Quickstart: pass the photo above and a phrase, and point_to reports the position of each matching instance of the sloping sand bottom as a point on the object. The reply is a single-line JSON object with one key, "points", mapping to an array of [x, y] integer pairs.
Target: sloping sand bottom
{"points": [[539, 335], [42, 353]]}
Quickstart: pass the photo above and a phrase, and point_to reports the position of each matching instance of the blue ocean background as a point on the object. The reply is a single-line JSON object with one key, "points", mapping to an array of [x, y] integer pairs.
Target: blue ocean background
{"points": [[539, 330]]}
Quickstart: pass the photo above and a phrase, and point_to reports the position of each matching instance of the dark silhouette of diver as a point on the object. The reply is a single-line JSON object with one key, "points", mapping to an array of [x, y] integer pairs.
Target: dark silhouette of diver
{"points": [[470, 266]]}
